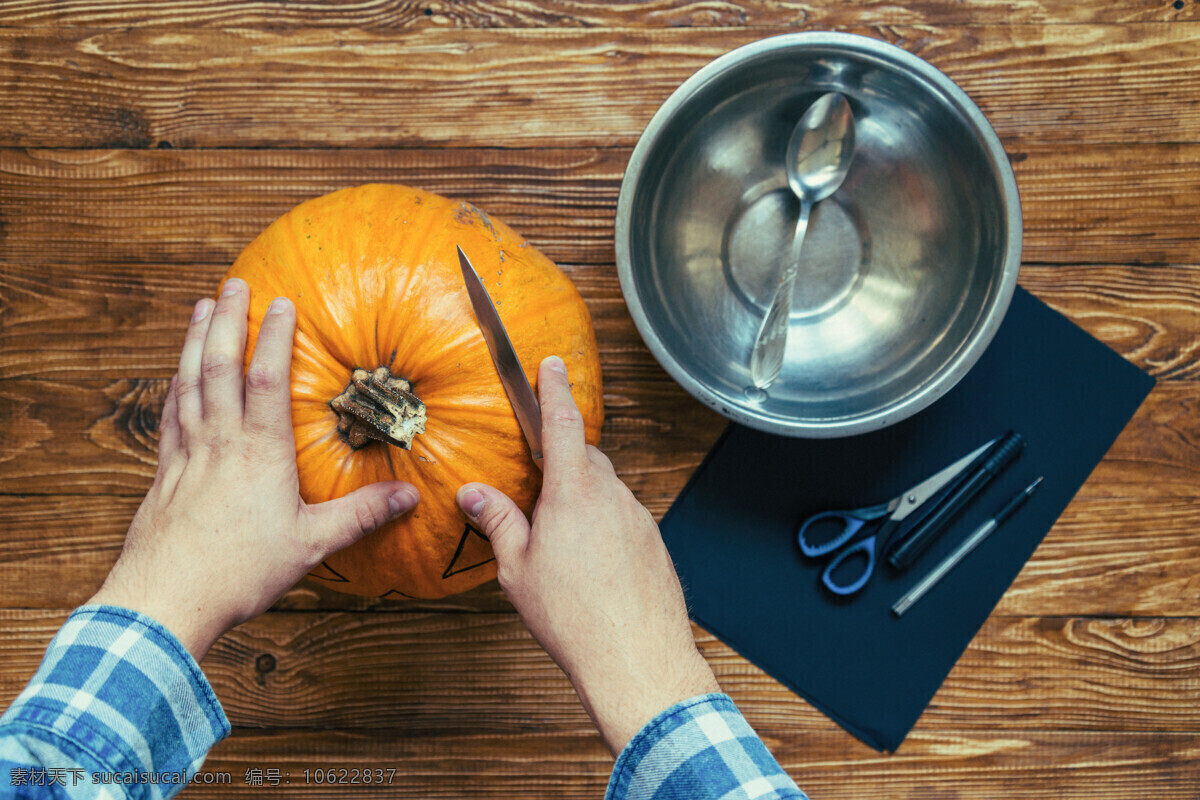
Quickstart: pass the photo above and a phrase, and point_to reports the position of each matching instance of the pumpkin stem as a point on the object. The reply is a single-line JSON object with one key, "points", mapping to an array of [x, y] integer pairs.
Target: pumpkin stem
{"points": [[377, 407]]}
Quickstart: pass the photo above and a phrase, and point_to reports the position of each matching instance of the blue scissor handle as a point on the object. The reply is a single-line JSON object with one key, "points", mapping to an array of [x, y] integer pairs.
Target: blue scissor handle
{"points": [[865, 547], [852, 522]]}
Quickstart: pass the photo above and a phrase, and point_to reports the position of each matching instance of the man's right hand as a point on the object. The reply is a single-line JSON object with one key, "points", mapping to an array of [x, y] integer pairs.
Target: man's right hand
{"points": [[591, 577]]}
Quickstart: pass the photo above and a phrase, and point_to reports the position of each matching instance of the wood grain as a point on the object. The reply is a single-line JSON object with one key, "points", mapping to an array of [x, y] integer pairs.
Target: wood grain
{"points": [[1026, 764], [1112, 556], [99, 438], [87, 321], [1157, 452], [393, 15], [1147, 314], [482, 674], [233, 87], [827, 764], [1105, 556], [67, 321], [186, 207], [55, 551], [1082, 206], [113, 452]]}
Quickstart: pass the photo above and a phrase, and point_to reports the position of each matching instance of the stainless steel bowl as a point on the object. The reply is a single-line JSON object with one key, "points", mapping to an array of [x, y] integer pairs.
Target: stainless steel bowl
{"points": [[907, 270]]}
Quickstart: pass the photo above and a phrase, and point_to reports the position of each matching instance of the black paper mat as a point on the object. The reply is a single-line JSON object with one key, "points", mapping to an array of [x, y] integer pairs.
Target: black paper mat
{"points": [[731, 532]]}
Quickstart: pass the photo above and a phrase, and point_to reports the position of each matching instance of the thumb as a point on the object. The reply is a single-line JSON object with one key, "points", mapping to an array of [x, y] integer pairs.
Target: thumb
{"points": [[339, 523], [497, 518]]}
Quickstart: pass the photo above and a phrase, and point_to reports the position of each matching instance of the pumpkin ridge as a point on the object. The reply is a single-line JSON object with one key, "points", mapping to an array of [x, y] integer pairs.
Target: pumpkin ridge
{"points": [[432, 569], [483, 409], [413, 249], [317, 433], [323, 301], [330, 341], [306, 346]]}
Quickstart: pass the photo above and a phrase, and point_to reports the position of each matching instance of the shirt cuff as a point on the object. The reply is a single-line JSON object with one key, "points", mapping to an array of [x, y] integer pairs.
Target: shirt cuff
{"points": [[699, 748], [118, 690]]}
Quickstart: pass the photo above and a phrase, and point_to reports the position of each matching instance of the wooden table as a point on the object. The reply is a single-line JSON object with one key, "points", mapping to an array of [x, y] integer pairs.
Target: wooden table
{"points": [[145, 143]]}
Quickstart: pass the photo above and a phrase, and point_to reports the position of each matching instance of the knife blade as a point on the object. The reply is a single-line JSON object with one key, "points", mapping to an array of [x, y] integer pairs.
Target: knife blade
{"points": [[512, 375]]}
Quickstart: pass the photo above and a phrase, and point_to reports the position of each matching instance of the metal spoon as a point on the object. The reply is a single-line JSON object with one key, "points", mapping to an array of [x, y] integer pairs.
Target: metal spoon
{"points": [[818, 157]]}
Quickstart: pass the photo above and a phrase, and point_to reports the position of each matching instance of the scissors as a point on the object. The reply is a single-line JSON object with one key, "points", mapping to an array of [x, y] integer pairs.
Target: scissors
{"points": [[827, 531], [508, 366]]}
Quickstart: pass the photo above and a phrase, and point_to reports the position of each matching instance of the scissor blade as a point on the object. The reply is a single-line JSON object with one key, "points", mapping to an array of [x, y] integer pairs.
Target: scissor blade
{"points": [[911, 500], [512, 376]]}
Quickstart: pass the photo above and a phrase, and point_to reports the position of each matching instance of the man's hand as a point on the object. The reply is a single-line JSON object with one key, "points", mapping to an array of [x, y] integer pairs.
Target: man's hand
{"points": [[592, 579], [223, 531]]}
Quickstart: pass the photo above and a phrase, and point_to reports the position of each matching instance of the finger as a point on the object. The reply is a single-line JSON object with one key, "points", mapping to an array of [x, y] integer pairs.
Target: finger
{"points": [[168, 427], [596, 457], [498, 519], [268, 396], [221, 365], [339, 523], [187, 379], [562, 425]]}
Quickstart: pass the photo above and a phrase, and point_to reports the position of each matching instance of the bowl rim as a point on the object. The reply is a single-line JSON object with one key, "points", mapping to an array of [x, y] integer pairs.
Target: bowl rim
{"points": [[963, 360]]}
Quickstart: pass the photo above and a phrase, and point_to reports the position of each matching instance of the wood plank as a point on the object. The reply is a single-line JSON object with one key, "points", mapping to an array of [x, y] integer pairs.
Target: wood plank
{"points": [[1084, 674], [137, 86], [1081, 205], [1111, 205], [1103, 557], [102, 435], [1158, 453], [99, 438], [57, 549], [417, 766], [128, 320], [971, 765], [1109, 556], [67, 321], [1150, 315], [188, 207], [482, 674], [92, 321], [395, 15]]}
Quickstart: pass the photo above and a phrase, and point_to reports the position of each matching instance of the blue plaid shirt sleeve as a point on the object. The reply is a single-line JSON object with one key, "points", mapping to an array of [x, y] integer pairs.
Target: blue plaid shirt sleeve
{"points": [[118, 709], [700, 749]]}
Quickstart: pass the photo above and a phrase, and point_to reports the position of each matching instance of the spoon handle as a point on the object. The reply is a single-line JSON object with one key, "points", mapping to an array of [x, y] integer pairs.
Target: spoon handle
{"points": [[766, 360]]}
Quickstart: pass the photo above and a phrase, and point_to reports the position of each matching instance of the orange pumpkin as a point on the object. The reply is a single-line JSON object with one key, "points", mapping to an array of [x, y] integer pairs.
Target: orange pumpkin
{"points": [[374, 274]]}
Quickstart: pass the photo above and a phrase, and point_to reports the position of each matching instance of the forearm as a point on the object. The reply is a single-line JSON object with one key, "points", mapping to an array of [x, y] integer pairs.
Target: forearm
{"points": [[700, 749], [116, 703], [622, 697]]}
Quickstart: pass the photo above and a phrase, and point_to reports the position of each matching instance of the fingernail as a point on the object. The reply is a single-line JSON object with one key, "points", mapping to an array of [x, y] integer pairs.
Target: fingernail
{"points": [[232, 286], [402, 500], [278, 305], [201, 310], [471, 502], [555, 363]]}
